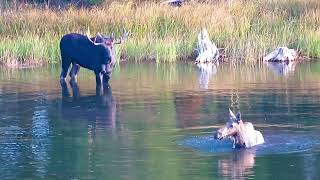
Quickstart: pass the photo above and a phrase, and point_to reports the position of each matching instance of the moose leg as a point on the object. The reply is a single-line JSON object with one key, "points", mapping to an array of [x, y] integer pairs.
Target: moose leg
{"points": [[99, 90], [65, 63], [106, 71], [99, 78], [75, 89], [65, 92], [74, 71], [106, 77], [99, 83]]}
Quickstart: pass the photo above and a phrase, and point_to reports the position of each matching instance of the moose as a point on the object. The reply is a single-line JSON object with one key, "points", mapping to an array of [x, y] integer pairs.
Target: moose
{"points": [[243, 134], [94, 53]]}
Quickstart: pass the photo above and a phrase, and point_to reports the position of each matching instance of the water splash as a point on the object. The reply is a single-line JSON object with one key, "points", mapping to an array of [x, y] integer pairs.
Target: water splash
{"points": [[275, 143]]}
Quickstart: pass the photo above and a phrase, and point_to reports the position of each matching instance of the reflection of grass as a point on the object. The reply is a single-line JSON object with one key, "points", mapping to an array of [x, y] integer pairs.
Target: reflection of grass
{"points": [[315, 69], [246, 29]]}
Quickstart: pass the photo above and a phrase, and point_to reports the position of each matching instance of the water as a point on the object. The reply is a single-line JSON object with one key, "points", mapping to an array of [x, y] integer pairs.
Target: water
{"points": [[156, 122]]}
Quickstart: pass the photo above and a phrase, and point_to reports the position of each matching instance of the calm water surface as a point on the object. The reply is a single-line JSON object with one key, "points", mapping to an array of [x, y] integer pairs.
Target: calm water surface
{"points": [[156, 122]]}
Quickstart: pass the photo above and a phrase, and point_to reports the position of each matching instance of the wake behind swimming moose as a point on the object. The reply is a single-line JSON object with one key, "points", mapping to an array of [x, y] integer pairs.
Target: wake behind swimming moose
{"points": [[94, 53], [241, 133]]}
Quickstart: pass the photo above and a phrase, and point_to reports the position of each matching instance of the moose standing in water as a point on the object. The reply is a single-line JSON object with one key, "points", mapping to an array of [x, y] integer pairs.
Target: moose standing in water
{"points": [[95, 53], [243, 134]]}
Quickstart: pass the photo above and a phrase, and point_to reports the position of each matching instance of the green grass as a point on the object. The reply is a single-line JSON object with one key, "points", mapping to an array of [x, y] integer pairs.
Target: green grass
{"points": [[246, 29]]}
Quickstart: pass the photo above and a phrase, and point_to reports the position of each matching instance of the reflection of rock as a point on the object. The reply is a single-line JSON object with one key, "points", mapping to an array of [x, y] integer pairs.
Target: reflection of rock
{"points": [[205, 71], [99, 108], [239, 165], [282, 68]]}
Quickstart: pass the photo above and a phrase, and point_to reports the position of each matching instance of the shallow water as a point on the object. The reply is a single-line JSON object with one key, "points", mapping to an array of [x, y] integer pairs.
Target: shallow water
{"points": [[156, 122]]}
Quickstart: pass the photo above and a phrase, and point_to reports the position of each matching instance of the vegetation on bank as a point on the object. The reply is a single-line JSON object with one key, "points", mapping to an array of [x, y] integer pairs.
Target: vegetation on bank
{"points": [[246, 29]]}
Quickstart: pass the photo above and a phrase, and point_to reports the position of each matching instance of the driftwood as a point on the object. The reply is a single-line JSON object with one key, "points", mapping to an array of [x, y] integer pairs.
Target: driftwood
{"points": [[282, 54], [207, 50]]}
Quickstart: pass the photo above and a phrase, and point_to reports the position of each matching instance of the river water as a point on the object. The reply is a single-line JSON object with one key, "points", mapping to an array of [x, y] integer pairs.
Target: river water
{"points": [[156, 122]]}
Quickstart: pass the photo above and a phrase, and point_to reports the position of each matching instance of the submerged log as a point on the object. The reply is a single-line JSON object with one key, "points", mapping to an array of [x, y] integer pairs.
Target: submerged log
{"points": [[207, 50], [282, 54]]}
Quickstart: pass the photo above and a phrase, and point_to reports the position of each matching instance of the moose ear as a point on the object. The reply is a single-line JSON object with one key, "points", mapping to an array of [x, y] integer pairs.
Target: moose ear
{"points": [[98, 38], [232, 116], [112, 35], [125, 35], [238, 117]]}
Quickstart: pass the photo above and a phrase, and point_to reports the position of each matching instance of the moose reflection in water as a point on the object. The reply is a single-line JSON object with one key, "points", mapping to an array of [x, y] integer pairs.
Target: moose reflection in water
{"points": [[239, 164], [205, 72], [242, 134], [100, 108]]}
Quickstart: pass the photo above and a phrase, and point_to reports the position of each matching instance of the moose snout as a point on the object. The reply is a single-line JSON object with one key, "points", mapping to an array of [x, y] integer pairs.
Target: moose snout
{"points": [[106, 69], [215, 136], [218, 135]]}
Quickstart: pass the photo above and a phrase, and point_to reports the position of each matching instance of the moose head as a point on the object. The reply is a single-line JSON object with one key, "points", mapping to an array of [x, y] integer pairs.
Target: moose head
{"points": [[242, 133], [231, 127], [108, 43]]}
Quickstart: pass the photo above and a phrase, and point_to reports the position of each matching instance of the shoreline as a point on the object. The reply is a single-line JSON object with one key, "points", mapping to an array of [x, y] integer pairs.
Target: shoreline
{"points": [[247, 30], [30, 65]]}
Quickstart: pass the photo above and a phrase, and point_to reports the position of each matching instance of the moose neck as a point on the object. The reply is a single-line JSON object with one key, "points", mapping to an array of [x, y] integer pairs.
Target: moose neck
{"points": [[239, 136]]}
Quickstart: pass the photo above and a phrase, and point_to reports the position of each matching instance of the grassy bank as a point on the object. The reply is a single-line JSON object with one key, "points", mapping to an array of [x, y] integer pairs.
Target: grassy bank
{"points": [[246, 29]]}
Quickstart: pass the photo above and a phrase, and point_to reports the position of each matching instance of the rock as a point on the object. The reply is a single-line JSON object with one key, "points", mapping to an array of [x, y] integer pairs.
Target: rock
{"points": [[282, 54]]}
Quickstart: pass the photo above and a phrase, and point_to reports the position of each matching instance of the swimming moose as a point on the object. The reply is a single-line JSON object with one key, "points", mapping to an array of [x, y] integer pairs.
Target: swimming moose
{"points": [[95, 53], [242, 133]]}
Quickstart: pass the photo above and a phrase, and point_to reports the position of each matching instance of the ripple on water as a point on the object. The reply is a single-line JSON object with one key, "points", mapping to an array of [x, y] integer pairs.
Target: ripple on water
{"points": [[275, 143]]}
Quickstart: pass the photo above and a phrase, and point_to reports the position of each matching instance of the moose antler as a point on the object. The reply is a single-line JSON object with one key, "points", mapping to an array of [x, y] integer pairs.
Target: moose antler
{"points": [[95, 39], [123, 38]]}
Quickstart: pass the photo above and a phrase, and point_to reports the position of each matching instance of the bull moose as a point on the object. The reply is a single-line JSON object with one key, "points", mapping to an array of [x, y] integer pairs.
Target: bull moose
{"points": [[94, 53]]}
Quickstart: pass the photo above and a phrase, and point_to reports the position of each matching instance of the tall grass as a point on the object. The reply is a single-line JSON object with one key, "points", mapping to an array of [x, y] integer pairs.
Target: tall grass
{"points": [[246, 29]]}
